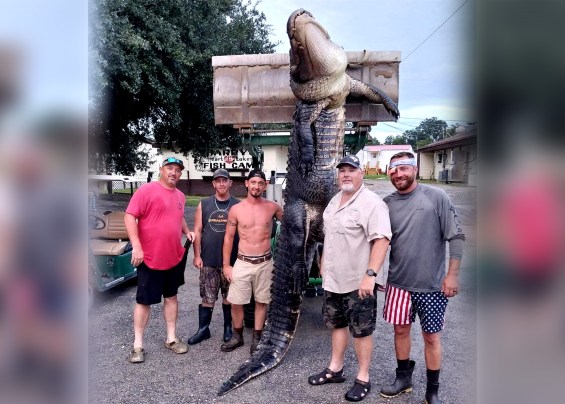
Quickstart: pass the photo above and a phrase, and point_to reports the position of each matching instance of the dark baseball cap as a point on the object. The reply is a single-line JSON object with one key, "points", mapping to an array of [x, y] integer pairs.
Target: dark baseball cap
{"points": [[256, 173], [350, 159], [220, 172], [173, 160]]}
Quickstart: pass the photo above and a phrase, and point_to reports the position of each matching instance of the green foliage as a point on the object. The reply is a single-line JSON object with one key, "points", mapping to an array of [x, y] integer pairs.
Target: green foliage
{"points": [[151, 75], [423, 142], [428, 131], [373, 142]]}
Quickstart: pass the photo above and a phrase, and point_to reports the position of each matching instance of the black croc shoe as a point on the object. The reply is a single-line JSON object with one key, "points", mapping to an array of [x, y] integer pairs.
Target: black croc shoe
{"points": [[326, 376], [359, 391]]}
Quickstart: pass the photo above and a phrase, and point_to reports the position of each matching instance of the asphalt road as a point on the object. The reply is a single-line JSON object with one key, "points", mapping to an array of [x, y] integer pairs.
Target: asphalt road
{"points": [[196, 376]]}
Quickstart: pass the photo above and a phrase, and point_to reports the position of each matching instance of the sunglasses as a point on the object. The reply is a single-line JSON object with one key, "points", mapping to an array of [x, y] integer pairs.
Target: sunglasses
{"points": [[174, 160]]}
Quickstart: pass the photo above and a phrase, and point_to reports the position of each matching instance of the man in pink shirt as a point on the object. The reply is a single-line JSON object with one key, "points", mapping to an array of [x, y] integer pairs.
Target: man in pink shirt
{"points": [[155, 222]]}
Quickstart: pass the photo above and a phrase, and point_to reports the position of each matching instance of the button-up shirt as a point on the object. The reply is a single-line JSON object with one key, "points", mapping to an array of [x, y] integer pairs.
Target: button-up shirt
{"points": [[349, 230]]}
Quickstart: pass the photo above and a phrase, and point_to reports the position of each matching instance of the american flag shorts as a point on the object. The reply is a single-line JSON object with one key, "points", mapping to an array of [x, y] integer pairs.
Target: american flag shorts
{"points": [[401, 307]]}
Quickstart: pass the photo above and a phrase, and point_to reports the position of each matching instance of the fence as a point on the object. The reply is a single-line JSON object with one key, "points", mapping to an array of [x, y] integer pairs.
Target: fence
{"points": [[120, 187]]}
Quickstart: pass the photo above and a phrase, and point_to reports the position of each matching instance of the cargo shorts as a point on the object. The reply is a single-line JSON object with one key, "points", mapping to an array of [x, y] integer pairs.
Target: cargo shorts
{"points": [[212, 281], [349, 310]]}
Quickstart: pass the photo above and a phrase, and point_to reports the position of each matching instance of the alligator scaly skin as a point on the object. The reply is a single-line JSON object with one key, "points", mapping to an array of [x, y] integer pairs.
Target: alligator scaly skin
{"points": [[316, 146], [313, 153]]}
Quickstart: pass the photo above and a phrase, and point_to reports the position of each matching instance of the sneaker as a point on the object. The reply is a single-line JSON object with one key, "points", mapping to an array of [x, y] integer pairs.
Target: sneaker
{"points": [[177, 346], [137, 355]]}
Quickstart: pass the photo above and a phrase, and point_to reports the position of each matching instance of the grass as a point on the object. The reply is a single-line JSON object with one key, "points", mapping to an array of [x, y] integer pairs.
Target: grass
{"points": [[193, 200], [123, 191], [376, 177]]}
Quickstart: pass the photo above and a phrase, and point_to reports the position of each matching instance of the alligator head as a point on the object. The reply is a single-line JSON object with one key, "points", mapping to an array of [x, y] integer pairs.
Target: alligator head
{"points": [[317, 65]]}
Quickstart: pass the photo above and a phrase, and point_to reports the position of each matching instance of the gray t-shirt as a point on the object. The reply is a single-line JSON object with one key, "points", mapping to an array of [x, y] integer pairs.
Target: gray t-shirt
{"points": [[422, 221]]}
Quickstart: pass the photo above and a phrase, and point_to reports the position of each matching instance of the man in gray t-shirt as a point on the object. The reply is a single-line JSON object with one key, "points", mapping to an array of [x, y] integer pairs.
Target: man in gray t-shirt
{"points": [[422, 219]]}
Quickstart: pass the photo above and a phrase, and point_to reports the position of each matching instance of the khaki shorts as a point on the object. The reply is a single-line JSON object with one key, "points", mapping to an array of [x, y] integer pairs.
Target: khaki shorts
{"points": [[250, 279]]}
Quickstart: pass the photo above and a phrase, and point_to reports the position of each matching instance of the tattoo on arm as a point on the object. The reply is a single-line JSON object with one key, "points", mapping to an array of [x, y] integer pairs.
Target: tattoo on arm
{"points": [[231, 223]]}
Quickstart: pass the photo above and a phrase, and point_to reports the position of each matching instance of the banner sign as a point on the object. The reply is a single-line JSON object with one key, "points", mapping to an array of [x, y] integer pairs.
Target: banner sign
{"points": [[228, 160]]}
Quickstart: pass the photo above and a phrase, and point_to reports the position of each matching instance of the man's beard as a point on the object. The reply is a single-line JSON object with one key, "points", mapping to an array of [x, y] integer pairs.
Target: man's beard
{"points": [[347, 188], [407, 182]]}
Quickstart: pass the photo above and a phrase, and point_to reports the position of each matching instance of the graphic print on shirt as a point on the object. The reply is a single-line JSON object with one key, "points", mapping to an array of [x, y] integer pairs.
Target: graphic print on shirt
{"points": [[219, 218]]}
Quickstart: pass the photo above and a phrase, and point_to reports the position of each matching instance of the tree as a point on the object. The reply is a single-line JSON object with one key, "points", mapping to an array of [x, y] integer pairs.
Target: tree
{"points": [[428, 131], [373, 141], [151, 75], [398, 139]]}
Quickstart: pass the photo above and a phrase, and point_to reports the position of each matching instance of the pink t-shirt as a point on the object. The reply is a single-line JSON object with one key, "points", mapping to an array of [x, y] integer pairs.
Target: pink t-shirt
{"points": [[159, 212]]}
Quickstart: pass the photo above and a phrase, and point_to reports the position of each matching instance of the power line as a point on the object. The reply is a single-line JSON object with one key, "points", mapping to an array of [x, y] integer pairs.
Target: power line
{"points": [[436, 30], [394, 127], [389, 131], [407, 124], [447, 120]]}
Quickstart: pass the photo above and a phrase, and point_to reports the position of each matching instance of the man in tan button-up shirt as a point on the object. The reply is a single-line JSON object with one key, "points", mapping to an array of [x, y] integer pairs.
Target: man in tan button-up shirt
{"points": [[357, 235]]}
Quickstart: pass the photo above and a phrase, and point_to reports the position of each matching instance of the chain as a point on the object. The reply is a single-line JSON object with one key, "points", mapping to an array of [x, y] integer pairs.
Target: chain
{"points": [[222, 210]]}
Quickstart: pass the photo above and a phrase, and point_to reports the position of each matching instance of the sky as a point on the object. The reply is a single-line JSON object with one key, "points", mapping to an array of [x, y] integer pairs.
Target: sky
{"points": [[52, 37], [434, 80]]}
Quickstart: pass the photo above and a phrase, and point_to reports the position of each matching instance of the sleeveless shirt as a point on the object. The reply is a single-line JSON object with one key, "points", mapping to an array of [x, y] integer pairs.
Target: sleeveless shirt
{"points": [[214, 220]]}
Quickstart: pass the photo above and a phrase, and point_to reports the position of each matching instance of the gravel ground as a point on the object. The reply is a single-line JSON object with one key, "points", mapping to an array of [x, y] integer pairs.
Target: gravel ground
{"points": [[196, 376]]}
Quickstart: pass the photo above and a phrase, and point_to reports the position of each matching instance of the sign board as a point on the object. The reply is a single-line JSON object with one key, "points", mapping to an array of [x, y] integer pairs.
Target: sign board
{"points": [[227, 159]]}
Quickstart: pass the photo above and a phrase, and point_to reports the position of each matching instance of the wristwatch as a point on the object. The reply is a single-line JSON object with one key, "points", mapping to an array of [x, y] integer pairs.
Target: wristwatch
{"points": [[370, 272]]}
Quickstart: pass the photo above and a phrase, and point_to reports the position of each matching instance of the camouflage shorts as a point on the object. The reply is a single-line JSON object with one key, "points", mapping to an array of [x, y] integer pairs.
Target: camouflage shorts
{"points": [[212, 280], [348, 309]]}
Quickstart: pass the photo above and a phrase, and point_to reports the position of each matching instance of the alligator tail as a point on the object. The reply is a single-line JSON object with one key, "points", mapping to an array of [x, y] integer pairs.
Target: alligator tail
{"points": [[290, 278]]}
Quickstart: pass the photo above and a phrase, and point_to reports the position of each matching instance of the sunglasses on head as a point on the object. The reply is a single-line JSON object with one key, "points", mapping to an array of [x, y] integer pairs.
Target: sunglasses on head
{"points": [[174, 160]]}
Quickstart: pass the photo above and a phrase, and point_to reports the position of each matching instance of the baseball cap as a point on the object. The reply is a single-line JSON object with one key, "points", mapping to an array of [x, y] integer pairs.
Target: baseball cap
{"points": [[220, 172], [256, 173], [173, 160], [350, 159]]}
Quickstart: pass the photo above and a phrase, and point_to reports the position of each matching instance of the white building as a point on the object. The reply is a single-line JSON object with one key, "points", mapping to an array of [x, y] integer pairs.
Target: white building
{"points": [[451, 159], [197, 177], [376, 158]]}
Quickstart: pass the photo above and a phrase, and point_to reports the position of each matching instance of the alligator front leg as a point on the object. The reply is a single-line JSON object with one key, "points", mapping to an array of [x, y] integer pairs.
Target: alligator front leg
{"points": [[373, 94]]}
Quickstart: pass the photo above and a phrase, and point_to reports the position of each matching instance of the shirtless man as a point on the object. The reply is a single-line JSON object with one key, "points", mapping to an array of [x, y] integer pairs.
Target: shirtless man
{"points": [[252, 272]]}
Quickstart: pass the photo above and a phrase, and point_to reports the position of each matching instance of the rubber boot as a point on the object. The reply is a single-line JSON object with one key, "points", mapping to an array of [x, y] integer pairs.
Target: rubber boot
{"points": [[431, 393], [255, 341], [402, 384], [204, 318], [235, 342], [227, 322]]}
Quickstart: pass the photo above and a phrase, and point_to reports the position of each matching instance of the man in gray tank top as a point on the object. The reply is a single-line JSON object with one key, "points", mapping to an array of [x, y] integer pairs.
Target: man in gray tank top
{"points": [[422, 219], [209, 228]]}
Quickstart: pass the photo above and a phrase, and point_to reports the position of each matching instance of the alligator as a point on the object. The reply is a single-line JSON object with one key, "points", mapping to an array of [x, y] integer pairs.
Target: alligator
{"points": [[319, 81]]}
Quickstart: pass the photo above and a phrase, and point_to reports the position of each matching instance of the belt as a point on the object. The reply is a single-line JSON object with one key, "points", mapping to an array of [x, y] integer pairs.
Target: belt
{"points": [[255, 260]]}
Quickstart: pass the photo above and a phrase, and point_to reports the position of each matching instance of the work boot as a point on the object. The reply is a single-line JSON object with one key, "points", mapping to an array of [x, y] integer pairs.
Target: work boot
{"points": [[235, 342], [227, 322], [255, 341], [204, 318], [431, 393], [402, 384]]}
